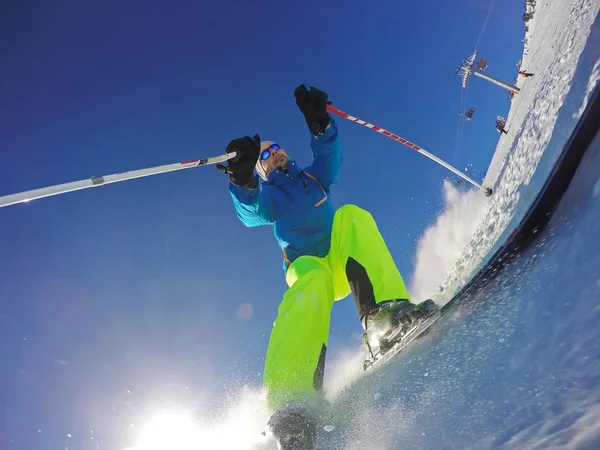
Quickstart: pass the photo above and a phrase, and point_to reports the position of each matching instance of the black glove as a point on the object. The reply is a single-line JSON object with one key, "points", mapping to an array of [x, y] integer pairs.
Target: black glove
{"points": [[241, 167], [313, 104]]}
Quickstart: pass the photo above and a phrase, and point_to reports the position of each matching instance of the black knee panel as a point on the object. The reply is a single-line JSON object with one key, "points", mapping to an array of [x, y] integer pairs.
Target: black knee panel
{"points": [[361, 286]]}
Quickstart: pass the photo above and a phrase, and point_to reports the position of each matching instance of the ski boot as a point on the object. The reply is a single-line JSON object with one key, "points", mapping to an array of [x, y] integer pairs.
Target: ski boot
{"points": [[293, 430], [390, 321]]}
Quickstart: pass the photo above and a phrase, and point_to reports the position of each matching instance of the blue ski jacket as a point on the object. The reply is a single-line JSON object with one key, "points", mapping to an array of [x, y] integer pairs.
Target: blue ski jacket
{"points": [[296, 201]]}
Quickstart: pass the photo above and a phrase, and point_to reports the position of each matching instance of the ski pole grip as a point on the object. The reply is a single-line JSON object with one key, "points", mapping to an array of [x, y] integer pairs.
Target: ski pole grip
{"points": [[233, 156]]}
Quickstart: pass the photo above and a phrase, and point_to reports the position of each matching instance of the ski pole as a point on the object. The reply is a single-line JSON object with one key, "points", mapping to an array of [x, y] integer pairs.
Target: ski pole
{"points": [[58, 189], [331, 109]]}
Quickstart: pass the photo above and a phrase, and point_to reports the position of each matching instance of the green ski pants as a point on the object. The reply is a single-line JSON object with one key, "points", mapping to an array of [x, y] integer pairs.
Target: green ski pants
{"points": [[358, 262]]}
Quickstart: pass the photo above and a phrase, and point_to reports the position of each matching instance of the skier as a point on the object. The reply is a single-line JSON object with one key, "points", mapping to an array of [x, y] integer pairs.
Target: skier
{"points": [[327, 254], [525, 74], [501, 125]]}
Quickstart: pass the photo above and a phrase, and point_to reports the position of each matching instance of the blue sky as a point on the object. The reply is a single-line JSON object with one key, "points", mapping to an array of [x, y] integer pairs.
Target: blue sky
{"points": [[134, 287]]}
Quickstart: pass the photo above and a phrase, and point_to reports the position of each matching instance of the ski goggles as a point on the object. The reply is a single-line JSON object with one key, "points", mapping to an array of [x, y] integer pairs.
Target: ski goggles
{"points": [[266, 153]]}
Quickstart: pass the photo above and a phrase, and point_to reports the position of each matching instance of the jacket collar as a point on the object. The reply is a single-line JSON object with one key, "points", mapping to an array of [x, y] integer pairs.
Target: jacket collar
{"points": [[281, 177]]}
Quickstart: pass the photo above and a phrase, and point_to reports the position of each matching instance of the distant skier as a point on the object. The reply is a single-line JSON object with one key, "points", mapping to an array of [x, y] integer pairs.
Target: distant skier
{"points": [[501, 125], [327, 254], [525, 74]]}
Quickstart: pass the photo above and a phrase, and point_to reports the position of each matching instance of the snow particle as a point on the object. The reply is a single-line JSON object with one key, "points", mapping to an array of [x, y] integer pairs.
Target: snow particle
{"points": [[329, 428]]}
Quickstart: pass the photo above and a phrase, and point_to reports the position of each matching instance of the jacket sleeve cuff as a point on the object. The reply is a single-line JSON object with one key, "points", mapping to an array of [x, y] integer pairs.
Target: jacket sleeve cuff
{"points": [[247, 182]]}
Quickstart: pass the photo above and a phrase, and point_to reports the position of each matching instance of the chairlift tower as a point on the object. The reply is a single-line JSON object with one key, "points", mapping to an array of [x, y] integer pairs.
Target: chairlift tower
{"points": [[465, 70]]}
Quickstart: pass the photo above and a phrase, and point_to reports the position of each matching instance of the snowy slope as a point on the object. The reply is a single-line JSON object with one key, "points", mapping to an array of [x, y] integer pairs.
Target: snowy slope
{"points": [[540, 121], [556, 38], [515, 367]]}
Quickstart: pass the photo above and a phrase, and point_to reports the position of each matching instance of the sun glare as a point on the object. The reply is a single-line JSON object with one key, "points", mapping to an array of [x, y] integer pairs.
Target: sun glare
{"points": [[241, 427], [172, 431]]}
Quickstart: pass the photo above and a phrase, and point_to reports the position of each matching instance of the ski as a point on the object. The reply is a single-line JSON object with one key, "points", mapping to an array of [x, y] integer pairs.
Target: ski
{"points": [[399, 344]]}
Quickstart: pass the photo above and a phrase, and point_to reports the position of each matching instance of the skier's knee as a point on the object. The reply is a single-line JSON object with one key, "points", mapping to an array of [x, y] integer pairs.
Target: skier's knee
{"points": [[305, 265], [352, 211], [349, 208]]}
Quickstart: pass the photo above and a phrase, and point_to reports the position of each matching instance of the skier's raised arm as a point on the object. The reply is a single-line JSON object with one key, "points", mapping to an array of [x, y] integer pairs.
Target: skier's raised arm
{"points": [[253, 203], [324, 142]]}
